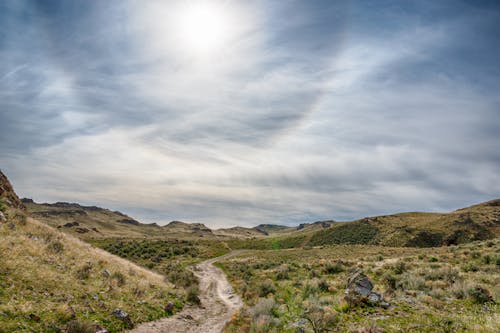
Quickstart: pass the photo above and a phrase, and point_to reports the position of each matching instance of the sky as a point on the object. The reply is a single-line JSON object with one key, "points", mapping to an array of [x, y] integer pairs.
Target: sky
{"points": [[247, 112]]}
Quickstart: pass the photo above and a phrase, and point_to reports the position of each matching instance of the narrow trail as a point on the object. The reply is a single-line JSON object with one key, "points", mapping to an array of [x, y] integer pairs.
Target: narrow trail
{"points": [[218, 304]]}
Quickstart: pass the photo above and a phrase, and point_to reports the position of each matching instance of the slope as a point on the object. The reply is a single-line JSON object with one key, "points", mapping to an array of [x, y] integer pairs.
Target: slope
{"points": [[50, 281]]}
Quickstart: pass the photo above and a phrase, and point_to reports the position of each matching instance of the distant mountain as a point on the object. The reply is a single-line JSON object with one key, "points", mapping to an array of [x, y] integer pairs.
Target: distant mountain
{"points": [[269, 229], [416, 229], [95, 222]]}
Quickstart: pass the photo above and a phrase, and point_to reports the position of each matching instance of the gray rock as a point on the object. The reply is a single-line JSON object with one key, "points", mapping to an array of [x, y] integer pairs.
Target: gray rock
{"points": [[124, 316], [169, 307], [120, 314], [385, 305], [106, 273], [2, 217], [359, 291], [374, 298], [359, 284]]}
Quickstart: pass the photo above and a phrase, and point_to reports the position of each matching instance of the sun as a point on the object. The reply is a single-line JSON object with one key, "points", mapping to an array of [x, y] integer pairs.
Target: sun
{"points": [[203, 26]]}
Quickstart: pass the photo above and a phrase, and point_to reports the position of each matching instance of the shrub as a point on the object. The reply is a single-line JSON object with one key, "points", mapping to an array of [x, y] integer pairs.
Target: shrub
{"points": [[333, 268], [282, 273], [448, 274], [310, 289], [83, 272], [480, 295], [56, 247], [264, 307], [323, 285], [470, 267], [321, 319], [399, 268], [192, 295], [411, 282], [180, 276], [390, 280], [78, 326], [120, 278], [266, 287]]}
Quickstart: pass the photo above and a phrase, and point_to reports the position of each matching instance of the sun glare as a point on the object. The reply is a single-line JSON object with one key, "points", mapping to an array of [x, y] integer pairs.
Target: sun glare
{"points": [[203, 26]]}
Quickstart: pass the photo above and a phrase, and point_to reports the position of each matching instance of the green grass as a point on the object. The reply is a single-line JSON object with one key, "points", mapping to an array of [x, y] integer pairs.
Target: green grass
{"points": [[349, 233], [282, 289]]}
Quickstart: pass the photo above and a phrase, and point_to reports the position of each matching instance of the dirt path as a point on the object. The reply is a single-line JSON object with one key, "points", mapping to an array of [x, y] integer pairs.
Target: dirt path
{"points": [[218, 304]]}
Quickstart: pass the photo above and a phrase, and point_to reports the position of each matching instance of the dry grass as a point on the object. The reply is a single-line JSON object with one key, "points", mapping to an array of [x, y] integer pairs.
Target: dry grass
{"points": [[430, 289], [48, 278]]}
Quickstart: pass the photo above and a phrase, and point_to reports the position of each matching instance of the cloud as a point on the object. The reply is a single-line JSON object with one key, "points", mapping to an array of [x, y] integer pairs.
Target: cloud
{"points": [[309, 111]]}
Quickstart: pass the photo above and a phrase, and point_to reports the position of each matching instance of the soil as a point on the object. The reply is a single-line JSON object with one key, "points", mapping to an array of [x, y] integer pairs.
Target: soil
{"points": [[218, 304]]}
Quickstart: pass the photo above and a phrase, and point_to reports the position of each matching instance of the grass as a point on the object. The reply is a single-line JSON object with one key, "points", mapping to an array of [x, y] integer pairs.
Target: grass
{"points": [[425, 295], [50, 282]]}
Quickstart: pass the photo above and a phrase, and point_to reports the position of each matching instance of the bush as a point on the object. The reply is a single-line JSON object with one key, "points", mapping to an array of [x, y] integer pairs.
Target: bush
{"points": [[399, 268], [56, 247], [264, 307], [282, 273], [333, 268], [411, 282], [192, 295], [470, 267], [267, 287], [310, 289], [83, 272], [180, 276], [321, 319], [323, 285], [390, 280], [77, 326], [120, 278], [480, 295]]}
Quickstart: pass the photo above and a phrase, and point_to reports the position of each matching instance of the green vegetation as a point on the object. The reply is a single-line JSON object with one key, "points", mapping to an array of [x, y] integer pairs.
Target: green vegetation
{"points": [[303, 290], [169, 257], [349, 233]]}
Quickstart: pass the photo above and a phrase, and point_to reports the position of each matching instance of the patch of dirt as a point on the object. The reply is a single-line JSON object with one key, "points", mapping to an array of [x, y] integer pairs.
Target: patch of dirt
{"points": [[218, 304]]}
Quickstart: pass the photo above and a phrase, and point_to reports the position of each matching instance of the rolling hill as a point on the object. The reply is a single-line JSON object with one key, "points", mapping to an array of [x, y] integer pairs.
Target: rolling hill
{"points": [[53, 282], [414, 229]]}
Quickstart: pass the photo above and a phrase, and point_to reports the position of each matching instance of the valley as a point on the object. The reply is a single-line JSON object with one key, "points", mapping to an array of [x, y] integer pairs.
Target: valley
{"points": [[72, 268]]}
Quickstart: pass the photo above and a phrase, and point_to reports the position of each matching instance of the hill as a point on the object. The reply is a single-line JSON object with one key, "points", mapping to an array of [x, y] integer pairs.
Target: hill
{"points": [[90, 222], [53, 282], [414, 229], [474, 223], [478, 222]]}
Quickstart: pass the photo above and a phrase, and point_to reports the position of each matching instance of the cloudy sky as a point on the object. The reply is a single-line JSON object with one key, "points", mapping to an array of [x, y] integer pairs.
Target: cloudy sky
{"points": [[246, 112]]}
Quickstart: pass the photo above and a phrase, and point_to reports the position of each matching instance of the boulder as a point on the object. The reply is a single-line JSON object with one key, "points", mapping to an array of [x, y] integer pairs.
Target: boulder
{"points": [[123, 316], [360, 291]]}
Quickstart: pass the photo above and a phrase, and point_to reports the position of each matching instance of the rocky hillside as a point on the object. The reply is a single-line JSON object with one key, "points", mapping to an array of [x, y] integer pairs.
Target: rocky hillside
{"points": [[52, 282], [90, 222], [7, 195]]}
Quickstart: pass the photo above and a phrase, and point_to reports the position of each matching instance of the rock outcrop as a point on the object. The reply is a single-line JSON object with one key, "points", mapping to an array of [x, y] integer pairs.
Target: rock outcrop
{"points": [[360, 291], [7, 194]]}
